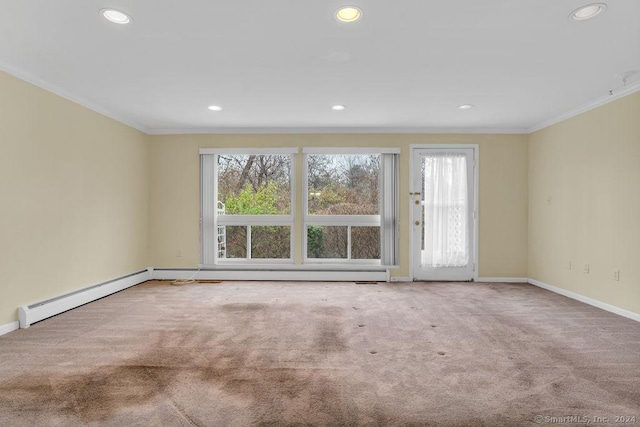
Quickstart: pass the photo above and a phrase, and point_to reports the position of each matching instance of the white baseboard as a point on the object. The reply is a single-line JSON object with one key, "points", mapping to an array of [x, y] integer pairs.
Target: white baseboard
{"points": [[479, 279], [41, 310], [604, 306], [9, 327], [502, 280], [294, 275]]}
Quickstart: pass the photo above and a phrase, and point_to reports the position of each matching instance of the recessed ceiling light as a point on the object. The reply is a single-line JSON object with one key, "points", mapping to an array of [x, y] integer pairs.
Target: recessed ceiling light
{"points": [[215, 108], [338, 107], [348, 14], [465, 107], [115, 16], [587, 12]]}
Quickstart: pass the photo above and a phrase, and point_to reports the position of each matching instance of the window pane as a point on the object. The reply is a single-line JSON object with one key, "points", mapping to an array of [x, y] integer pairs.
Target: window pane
{"points": [[326, 242], [270, 242], [365, 242], [254, 184], [235, 241], [343, 184]]}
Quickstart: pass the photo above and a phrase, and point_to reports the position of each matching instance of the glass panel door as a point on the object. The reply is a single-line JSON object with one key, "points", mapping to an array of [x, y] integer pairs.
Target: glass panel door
{"points": [[443, 213]]}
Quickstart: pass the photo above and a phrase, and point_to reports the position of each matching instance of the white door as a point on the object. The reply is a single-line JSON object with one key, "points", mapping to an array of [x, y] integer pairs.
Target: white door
{"points": [[444, 213]]}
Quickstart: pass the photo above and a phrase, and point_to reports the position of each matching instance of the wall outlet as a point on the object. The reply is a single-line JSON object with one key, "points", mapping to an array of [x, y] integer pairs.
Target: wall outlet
{"points": [[585, 269], [568, 265], [616, 275], [178, 253]]}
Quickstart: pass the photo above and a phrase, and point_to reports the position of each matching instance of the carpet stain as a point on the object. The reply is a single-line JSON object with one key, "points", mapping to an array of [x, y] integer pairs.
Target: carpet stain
{"points": [[329, 310], [330, 335], [275, 394], [329, 339], [244, 307], [94, 395]]}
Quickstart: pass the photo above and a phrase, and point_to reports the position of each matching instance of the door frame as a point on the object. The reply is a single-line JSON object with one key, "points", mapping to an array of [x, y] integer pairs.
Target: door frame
{"points": [[476, 152]]}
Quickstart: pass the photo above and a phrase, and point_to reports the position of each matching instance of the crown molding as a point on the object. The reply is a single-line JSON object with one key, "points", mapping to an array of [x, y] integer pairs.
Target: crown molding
{"points": [[333, 130], [586, 107], [42, 84]]}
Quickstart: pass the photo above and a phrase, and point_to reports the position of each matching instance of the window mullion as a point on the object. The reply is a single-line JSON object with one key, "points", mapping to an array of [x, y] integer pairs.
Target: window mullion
{"points": [[255, 220], [356, 220], [248, 242]]}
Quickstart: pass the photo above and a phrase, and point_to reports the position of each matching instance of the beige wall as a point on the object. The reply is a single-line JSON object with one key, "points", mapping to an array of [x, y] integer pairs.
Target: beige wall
{"points": [[74, 188], [584, 203], [175, 201]]}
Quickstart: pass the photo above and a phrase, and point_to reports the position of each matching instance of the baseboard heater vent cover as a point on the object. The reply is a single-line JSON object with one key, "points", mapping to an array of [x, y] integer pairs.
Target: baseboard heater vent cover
{"points": [[32, 313]]}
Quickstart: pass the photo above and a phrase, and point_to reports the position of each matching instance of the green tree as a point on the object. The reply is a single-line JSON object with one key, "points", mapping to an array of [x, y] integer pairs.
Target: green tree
{"points": [[250, 202], [315, 241]]}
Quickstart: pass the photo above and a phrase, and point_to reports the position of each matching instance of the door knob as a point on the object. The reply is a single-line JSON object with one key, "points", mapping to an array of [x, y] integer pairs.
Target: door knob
{"points": [[417, 222]]}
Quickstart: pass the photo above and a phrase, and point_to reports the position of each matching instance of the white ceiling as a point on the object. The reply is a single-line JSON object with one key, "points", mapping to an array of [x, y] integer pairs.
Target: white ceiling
{"points": [[280, 65]]}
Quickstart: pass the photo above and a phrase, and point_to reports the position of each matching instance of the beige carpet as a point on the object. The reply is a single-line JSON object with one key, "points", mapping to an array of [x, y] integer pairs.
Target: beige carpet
{"points": [[323, 354]]}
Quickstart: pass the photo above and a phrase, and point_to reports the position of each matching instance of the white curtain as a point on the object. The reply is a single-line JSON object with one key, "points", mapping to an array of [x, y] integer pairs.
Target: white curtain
{"points": [[446, 228]]}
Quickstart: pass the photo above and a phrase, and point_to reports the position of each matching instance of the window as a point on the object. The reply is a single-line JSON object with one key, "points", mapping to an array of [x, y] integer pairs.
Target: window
{"points": [[252, 193], [349, 202], [350, 212]]}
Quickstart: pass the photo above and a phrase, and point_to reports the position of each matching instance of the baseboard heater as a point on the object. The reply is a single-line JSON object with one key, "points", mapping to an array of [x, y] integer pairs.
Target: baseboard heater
{"points": [[32, 313], [364, 274]]}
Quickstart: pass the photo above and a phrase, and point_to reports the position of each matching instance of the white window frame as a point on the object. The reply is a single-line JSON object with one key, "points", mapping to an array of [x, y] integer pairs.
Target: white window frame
{"points": [[338, 220], [210, 219]]}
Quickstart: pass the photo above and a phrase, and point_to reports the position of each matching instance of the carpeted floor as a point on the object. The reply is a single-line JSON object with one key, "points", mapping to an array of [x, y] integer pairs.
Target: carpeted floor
{"points": [[324, 354]]}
